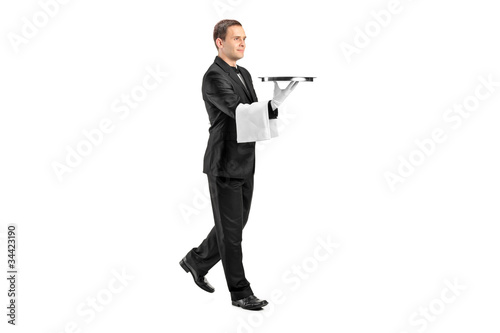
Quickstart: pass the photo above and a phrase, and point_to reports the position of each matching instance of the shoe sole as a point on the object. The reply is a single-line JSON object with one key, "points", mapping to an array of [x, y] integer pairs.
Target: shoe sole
{"points": [[250, 308], [184, 266]]}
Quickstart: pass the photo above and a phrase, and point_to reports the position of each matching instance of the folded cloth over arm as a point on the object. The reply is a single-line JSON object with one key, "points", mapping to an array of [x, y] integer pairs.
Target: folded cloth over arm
{"points": [[253, 123]]}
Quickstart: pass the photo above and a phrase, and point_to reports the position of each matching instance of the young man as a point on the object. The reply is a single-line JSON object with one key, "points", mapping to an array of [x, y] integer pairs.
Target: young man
{"points": [[227, 91]]}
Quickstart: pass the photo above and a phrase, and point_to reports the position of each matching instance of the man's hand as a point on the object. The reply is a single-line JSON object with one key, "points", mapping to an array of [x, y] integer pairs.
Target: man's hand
{"points": [[281, 94]]}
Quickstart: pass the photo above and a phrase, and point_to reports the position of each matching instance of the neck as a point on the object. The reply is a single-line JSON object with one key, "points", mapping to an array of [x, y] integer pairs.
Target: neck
{"points": [[227, 60]]}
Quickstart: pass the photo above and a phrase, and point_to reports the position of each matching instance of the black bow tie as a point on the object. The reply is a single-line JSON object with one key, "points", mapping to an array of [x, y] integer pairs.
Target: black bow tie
{"points": [[236, 69]]}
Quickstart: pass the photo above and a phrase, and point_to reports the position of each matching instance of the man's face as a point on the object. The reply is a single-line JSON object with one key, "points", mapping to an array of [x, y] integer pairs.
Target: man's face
{"points": [[234, 45]]}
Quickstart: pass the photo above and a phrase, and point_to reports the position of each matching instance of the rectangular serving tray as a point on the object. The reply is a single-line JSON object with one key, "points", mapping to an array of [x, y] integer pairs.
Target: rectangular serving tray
{"points": [[287, 78]]}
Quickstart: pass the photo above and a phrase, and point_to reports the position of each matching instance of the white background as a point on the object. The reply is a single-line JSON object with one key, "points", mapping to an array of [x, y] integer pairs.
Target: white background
{"points": [[120, 209]]}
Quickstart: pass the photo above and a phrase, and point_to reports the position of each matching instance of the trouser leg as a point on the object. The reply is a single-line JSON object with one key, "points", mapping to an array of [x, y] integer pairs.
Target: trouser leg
{"points": [[231, 201]]}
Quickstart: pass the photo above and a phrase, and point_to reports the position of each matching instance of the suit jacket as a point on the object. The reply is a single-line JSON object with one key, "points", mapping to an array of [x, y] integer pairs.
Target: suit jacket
{"points": [[222, 91]]}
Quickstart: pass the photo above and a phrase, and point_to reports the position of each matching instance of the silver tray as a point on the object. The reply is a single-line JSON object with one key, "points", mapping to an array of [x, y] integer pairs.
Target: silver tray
{"points": [[287, 78]]}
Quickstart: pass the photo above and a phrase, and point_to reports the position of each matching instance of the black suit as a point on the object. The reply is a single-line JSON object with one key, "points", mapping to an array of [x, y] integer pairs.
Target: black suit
{"points": [[230, 167], [222, 91]]}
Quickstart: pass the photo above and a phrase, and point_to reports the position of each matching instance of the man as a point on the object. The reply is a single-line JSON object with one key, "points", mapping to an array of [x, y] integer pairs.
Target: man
{"points": [[228, 92]]}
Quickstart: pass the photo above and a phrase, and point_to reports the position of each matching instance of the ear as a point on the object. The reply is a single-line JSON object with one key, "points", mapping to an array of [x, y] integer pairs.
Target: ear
{"points": [[219, 42]]}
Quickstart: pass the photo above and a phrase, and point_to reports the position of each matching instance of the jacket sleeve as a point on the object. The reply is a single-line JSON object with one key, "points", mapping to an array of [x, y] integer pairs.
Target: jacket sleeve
{"points": [[220, 93], [273, 114]]}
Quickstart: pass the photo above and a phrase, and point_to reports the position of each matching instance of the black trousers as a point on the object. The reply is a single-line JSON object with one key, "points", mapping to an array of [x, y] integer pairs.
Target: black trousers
{"points": [[231, 199]]}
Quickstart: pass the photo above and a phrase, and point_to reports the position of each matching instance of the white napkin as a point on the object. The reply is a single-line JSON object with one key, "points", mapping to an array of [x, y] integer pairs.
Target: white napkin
{"points": [[253, 123]]}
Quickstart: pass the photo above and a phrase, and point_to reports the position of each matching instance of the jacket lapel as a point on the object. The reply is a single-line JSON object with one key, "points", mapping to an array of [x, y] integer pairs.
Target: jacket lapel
{"points": [[248, 81], [234, 77]]}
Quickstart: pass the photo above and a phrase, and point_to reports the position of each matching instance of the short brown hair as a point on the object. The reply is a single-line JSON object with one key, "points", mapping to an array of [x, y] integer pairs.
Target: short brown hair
{"points": [[220, 29]]}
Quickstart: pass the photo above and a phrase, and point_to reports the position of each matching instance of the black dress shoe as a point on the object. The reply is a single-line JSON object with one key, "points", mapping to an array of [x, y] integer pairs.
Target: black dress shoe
{"points": [[200, 281], [250, 303]]}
